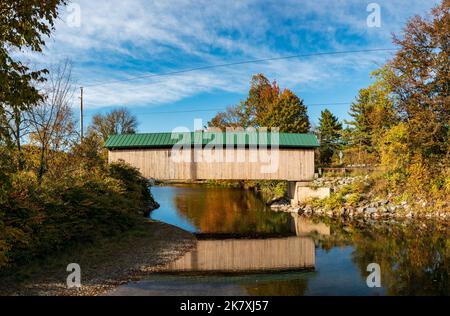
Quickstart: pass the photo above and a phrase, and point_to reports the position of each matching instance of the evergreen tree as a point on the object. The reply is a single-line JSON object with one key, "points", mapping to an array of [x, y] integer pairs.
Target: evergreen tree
{"points": [[329, 134], [373, 114], [361, 135]]}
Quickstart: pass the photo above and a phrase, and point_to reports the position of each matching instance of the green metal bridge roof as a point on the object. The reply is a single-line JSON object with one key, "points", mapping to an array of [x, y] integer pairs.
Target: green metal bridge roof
{"points": [[164, 140]]}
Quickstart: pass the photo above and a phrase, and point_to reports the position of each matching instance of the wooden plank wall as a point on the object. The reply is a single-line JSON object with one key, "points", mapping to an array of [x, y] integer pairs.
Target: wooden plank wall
{"points": [[294, 165], [248, 255]]}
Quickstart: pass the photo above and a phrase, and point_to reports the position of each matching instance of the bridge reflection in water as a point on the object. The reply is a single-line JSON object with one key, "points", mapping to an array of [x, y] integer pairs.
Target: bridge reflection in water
{"points": [[303, 226], [244, 255], [254, 255]]}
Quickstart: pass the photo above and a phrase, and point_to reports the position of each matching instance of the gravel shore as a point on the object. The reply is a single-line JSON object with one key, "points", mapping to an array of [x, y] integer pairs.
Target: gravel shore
{"points": [[104, 265]]}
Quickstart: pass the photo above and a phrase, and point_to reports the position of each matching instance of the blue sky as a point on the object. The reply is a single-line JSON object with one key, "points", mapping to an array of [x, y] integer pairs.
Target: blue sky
{"points": [[121, 39]]}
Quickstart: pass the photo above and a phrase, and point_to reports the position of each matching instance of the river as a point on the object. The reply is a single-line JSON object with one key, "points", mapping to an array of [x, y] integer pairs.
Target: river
{"points": [[244, 248]]}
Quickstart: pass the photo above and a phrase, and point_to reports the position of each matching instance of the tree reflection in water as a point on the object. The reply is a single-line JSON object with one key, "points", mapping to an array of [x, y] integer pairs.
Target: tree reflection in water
{"points": [[413, 255], [294, 287], [225, 210]]}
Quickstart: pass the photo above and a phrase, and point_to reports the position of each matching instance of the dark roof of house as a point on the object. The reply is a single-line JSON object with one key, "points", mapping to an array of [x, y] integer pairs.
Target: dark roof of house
{"points": [[164, 140]]}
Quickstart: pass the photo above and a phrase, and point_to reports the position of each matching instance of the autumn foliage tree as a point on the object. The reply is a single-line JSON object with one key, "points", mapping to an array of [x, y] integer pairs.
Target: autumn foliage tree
{"points": [[422, 82], [266, 106], [402, 120], [421, 85]]}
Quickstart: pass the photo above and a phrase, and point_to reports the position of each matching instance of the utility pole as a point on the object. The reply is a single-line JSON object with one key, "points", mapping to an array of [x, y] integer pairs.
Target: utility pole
{"points": [[81, 114]]}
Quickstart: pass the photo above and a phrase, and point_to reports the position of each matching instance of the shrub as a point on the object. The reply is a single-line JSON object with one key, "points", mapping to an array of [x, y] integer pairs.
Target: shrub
{"points": [[353, 199], [38, 219], [136, 186], [272, 189]]}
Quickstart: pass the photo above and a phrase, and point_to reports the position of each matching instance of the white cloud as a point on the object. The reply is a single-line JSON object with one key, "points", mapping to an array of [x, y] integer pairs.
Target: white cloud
{"points": [[118, 39]]}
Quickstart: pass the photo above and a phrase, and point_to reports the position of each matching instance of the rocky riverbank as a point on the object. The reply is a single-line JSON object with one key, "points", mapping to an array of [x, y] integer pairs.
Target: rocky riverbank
{"points": [[104, 265], [344, 202]]}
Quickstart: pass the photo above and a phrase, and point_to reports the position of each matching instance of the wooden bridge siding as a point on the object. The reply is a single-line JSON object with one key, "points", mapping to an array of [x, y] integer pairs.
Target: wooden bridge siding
{"points": [[294, 165], [153, 163], [248, 255]]}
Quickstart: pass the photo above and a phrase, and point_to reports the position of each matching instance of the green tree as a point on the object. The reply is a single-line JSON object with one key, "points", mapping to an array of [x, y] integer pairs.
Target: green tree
{"points": [[373, 114], [361, 127], [329, 134], [15, 126], [287, 112], [23, 24]]}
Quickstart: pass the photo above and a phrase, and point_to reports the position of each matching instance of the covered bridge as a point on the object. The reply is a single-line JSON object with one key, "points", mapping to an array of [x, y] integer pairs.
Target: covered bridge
{"points": [[217, 155]]}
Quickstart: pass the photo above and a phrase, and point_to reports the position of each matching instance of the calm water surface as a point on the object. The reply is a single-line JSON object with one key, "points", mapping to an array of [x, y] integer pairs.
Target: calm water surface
{"points": [[244, 248]]}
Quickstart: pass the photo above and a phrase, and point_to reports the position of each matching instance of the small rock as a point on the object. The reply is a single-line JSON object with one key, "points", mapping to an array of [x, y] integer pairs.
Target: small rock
{"points": [[371, 210]]}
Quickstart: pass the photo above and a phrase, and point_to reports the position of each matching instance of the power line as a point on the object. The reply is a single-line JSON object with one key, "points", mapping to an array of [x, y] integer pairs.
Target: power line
{"points": [[176, 72], [171, 73], [221, 108]]}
